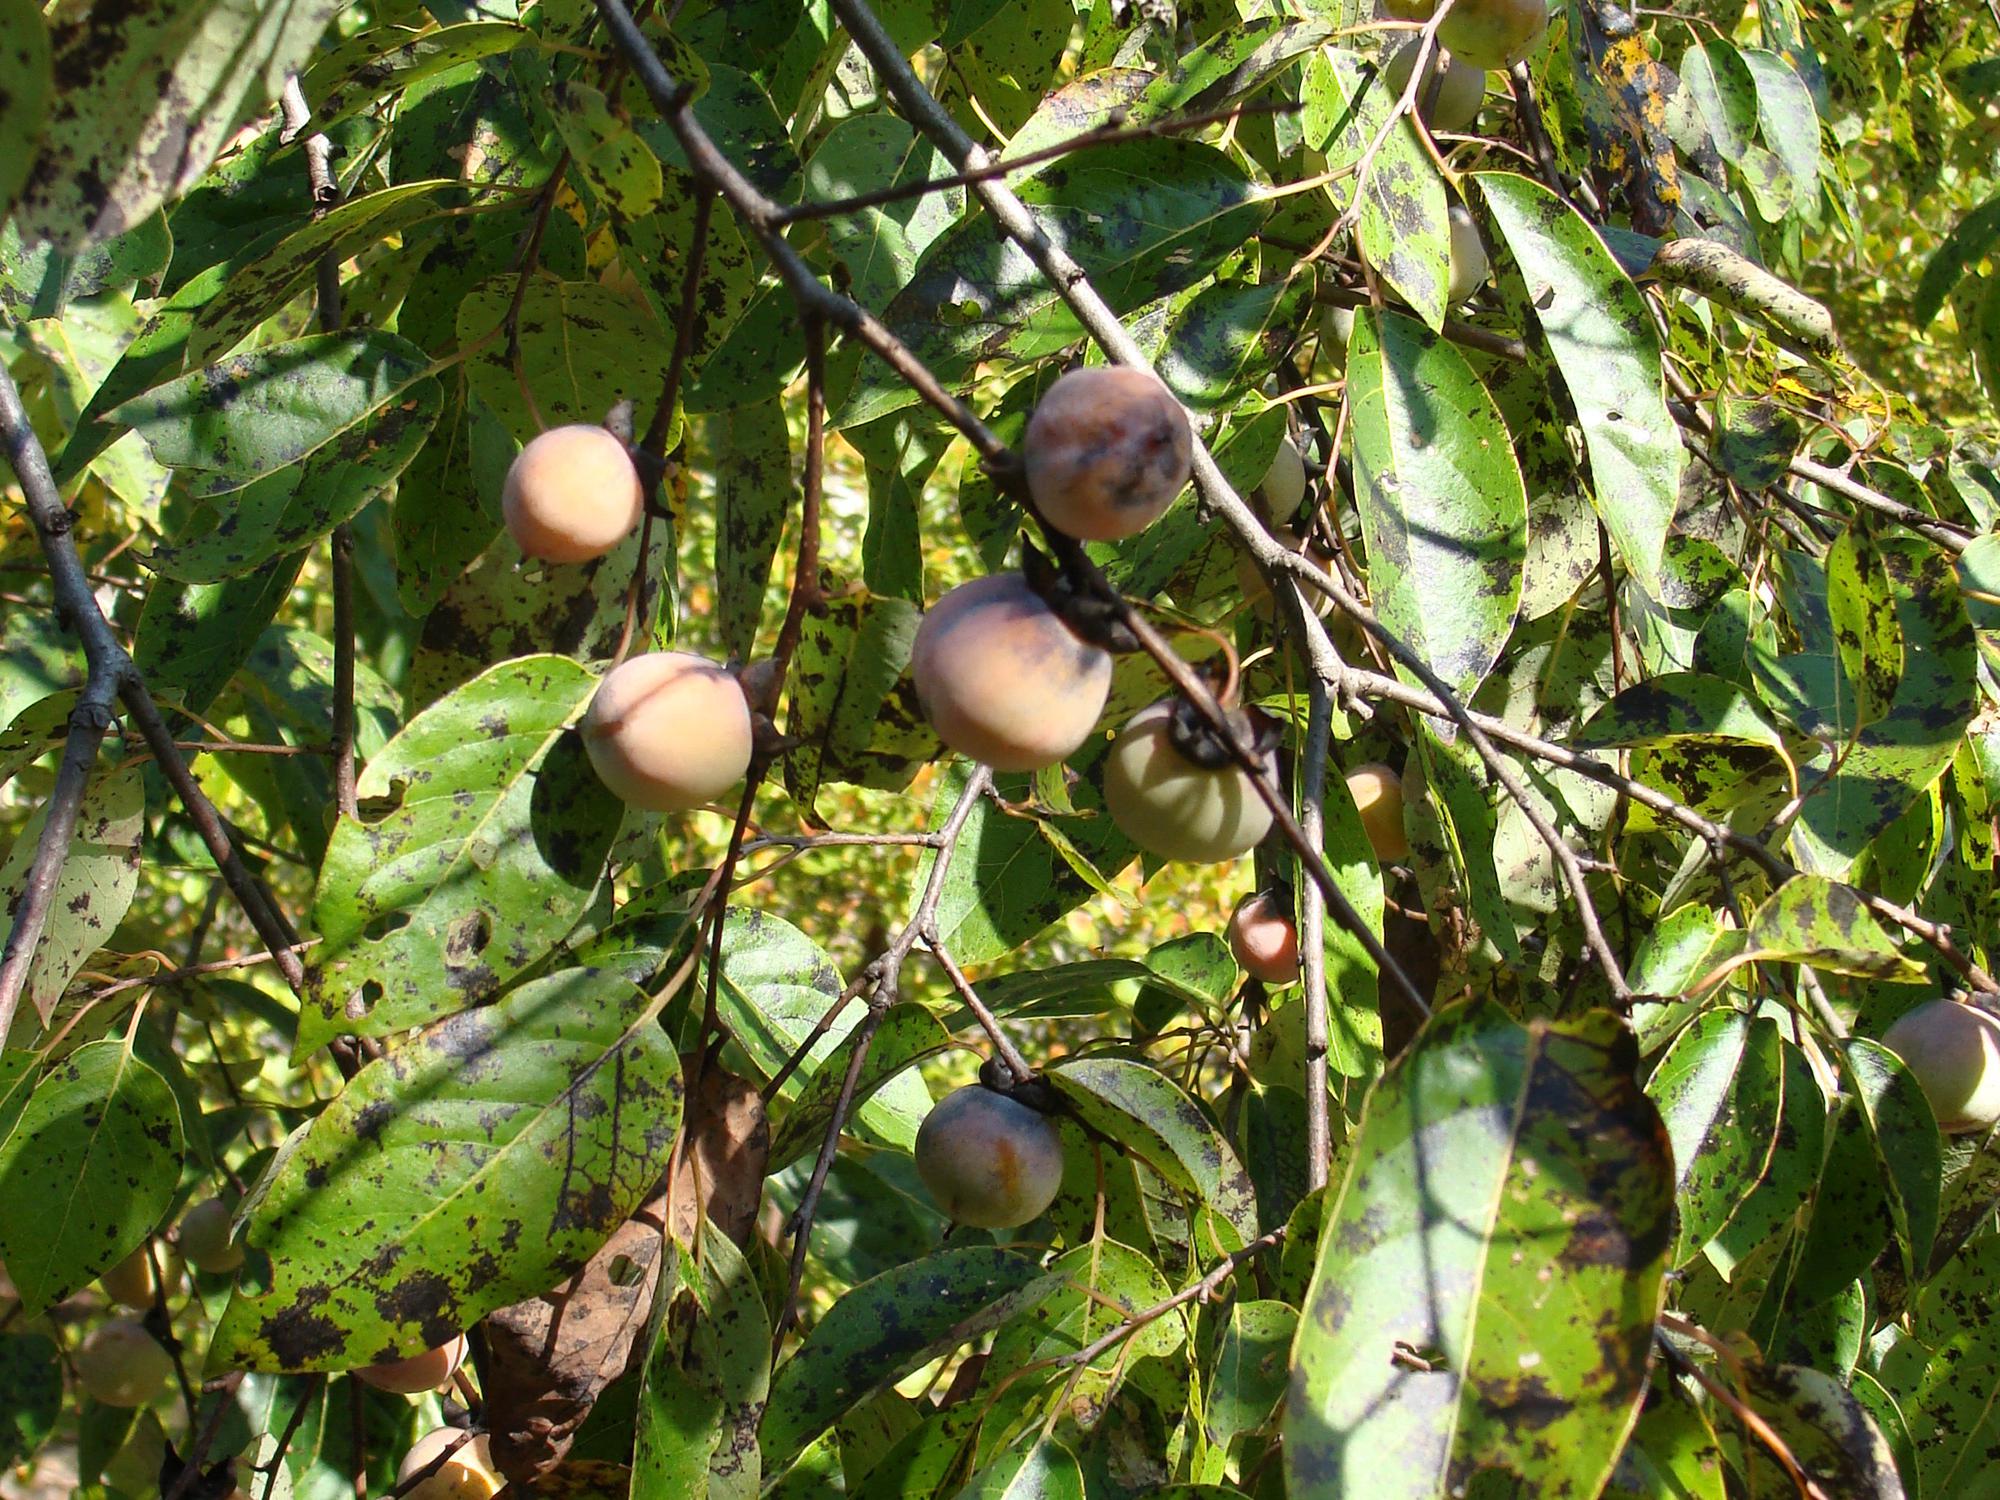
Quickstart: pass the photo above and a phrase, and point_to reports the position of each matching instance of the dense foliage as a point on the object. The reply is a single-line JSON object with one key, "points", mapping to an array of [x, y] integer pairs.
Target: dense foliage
{"points": [[1590, 575]]}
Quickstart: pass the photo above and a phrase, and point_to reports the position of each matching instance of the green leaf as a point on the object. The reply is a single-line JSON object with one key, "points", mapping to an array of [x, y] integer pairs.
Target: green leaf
{"points": [[1830, 1435], [30, 1387], [144, 101], [754, 490], [1719, 1090], [1955, 1329], [1895, 760], [1228, 337], [262, 412], [1609, 355], [475, 1163], [1680, 706], [705, 1382], [495, 844], [879, 1331], [260, 288], [1443, 510], [284, 512], [880, 246], [41, 282], [1812, 920], [97, 1152], [389, 60], [853, 711], [1404, 232], [1789, 124], [193, 636], [1143, 218], [622, 172], [99, 877], [906, 1035], [1862, 611], [583, 348], [506, 606], [37, 658], [1505, 1217], [1147, 1114], [1724, 92], [24, 93], [447, 505], [1967, 244], [1252, 1364], [1044, 1470], [776, 985], [1673, 1454]]}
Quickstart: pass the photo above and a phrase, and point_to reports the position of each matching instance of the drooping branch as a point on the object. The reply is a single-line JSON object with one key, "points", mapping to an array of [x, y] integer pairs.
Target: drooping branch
{"points": [[112, 670]]}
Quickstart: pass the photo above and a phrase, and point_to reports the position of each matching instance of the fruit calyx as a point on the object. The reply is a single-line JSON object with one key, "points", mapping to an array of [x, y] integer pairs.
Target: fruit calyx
{"points": [[1199, 743], [1034, 1091], [1077, 601]]}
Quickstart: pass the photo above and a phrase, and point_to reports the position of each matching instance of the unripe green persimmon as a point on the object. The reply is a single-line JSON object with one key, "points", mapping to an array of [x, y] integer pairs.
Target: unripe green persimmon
{"points": [[990, 1161], [668, 731], [1953, 1051], [1378, 796], [1107, 451], [572, 494], [205, 1240], [1264, 940], [1284, 487], [120, 1364], [419, 1373], [1172, 807], [1002, 679], [468, 1474], [1468, 256], [1448, 102], [1493, 33]]}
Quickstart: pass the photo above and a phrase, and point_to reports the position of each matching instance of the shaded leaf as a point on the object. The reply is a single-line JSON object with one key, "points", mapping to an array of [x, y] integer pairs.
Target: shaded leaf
{"points": [[1828, 1433], [1504, 1221], [30, 1390], [1812, 920], [97, 1150], [24, 93], [1719, 1091]]}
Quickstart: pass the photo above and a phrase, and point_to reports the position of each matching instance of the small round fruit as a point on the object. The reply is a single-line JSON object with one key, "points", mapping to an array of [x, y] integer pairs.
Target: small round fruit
{"points": [[1493, 33], [1378, 796], [417, 1374], [120, 1364], [130, 1282], [1284, 486], [1264, 940], [1166, 804], [1003, 680], [1107, 451], [990, 1161], [205, 1240], [468, 1474], [1953, 1050], [572, 494], [1449, 103], [668, 731], [1468, 257], [1336, 327]]}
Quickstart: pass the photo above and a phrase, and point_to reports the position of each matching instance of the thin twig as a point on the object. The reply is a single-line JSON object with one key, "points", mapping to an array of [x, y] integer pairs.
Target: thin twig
{"points": [[224, 1390]]}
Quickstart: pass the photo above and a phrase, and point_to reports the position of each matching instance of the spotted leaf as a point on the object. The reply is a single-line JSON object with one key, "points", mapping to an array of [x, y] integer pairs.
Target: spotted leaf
{"points": [[476, 1163], [1719, 1090], [496, 839], [1489, 1274], [97, 1151]]}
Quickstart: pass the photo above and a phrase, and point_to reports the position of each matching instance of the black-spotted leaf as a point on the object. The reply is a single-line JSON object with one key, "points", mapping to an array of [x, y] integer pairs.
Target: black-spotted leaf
{"points": [[144, 100], [605, 151], [1443, 509], [1867, 638], [1247, 1380], [1719, 1090], [257, 413], [1953, 1330], [1042, 1470], [1147, 1113], [496, 841], [1498, 1246], [754, 491], [24, 93], [31, 1391], [477, 1162], [1826, 1432], [253, 292], [879, 1331], [95, 887], [1609, 355], [387, 60], [97, 1152], [1680, 706], [852, 709], [1812, 920]]}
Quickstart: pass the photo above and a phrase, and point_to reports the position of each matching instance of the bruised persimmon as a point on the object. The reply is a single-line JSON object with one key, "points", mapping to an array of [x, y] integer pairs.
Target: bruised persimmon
{"points": [[1107, 450], [989, 1160]]}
